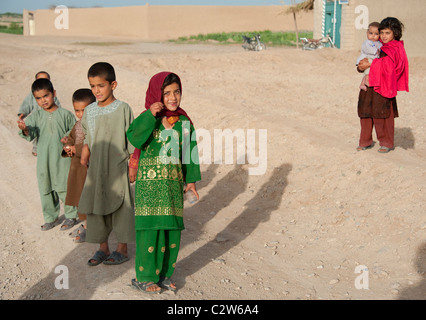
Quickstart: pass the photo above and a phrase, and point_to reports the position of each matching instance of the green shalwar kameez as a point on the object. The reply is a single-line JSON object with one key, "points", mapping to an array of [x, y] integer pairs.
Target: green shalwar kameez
{"points": [[29, 105], [52, 168], [106, 197], [162, 172]]}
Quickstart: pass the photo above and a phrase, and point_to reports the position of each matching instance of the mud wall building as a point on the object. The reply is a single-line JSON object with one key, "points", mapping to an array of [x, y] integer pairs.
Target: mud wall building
{"points": [[155, 23]]}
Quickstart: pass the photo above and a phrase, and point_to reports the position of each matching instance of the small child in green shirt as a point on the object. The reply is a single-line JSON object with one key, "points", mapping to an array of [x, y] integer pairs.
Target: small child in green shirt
{"points": [[30, 104], [49, 124]]}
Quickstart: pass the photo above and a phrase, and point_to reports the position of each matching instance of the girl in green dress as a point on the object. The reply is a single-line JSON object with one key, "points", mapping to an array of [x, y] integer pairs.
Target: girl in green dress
{"points": [[167, 157]]}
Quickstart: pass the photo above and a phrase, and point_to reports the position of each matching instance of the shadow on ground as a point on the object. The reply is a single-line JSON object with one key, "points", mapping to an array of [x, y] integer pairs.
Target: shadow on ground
{"points": [[257, 210]]}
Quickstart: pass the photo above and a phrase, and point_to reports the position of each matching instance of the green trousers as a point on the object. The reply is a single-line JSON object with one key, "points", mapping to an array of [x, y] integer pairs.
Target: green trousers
{"points": [[156, 254], [51, 206]]}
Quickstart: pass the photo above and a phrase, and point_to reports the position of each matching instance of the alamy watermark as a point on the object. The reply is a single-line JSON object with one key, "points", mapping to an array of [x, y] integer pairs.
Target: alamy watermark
{"points": [[361, 281], [223, 147], [361, 21], [62, 281], [62, 20]]}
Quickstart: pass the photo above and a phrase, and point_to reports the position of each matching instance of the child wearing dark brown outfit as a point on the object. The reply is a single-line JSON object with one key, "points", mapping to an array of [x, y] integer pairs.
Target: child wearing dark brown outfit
{"points": [[73, 145]]}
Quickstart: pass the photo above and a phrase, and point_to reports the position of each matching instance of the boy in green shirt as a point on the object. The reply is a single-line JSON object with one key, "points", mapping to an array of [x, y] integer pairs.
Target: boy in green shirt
{"points": [[49, 124], [30, 104], [106, 197]]}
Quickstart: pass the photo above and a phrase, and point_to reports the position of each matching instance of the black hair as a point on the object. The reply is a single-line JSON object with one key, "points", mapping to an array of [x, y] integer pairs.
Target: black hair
{"points": [[85, 95], [42, 84], [374, 24], [171, 78], [40, 72], [102, 69], [393, 24]]}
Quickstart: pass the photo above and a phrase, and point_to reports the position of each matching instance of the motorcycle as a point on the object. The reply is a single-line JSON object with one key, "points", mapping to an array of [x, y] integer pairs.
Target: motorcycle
{"points": [[253, 44], [313, 44]]}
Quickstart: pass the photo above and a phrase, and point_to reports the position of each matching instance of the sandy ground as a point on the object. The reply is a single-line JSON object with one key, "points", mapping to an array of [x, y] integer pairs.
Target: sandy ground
{"points": [[299, 231]]}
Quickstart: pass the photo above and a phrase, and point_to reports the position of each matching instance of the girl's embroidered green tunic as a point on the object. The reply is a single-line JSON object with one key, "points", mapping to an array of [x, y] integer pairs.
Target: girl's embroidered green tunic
{"points": [[169, 158]]}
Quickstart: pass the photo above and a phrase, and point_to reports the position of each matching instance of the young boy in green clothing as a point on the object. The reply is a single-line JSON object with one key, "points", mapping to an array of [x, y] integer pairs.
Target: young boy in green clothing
{"points": [[106, 197], [30, 104], [49, 124]]}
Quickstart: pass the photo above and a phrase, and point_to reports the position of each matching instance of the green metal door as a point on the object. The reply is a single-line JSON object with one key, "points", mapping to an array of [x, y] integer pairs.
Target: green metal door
{"points": [[333, 20]]}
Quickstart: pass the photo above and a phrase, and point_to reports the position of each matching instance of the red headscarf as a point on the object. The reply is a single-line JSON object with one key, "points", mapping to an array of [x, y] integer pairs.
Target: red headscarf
{"points": [[154, 94], [389, 74]]}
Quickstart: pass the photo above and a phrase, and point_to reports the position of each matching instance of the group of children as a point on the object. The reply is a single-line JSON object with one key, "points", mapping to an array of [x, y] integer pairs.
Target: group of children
{"points": [[89, 164]]}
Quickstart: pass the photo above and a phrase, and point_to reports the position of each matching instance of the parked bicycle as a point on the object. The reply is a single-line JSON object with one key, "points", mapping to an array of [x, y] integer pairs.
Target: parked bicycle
{"points": [[313, 44]]}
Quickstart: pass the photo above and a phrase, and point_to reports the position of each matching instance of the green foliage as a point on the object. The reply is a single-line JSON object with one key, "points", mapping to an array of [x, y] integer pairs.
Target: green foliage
{"points": [[268, 37], [14, 28], [9, 26], [11, 14]]}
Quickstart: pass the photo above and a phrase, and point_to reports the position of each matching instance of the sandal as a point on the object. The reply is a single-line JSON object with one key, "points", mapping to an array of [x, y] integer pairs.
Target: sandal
{"points": [[117, 258], [68, 224], [81, 237], [145, 286], [166, 283], [359, 148], [383, 149], [77, 231], [49, 225], [99, 257]]}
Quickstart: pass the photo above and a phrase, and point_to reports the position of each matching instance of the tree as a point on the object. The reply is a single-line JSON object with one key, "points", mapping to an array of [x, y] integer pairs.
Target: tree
{"points": [[296, 8]]}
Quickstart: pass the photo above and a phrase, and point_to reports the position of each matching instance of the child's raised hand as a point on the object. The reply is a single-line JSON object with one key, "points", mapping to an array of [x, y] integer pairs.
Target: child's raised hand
{"points": [[156, 108], [70, 150], [64, 140], [22, 125]]}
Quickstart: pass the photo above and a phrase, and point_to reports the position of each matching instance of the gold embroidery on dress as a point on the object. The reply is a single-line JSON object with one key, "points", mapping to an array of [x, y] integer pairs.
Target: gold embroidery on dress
{"points": [[156, 133], [159, 211], [159, 168], [151, 249], [174, 173], [160, 160], [165, 173], [151, 174]]}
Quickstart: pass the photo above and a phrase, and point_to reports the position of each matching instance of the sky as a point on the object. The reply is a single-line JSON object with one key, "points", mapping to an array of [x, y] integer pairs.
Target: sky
{"points": [[17, 6]]}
